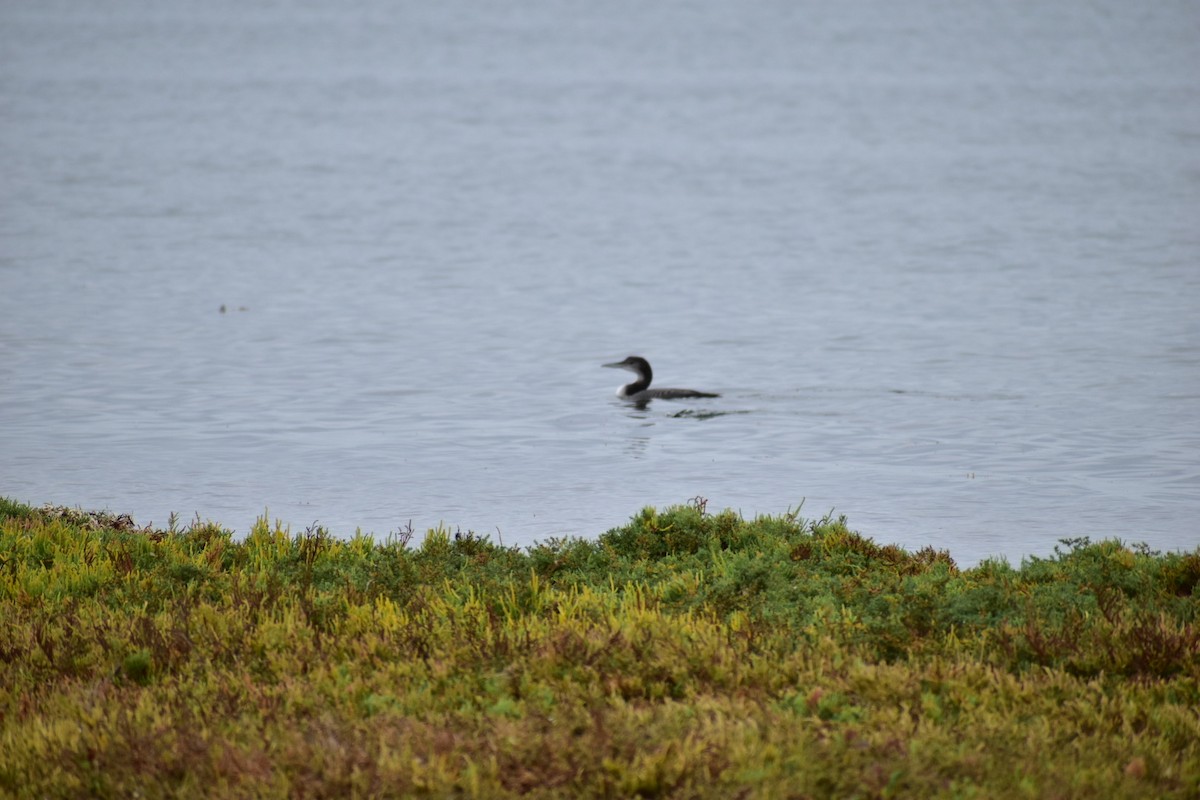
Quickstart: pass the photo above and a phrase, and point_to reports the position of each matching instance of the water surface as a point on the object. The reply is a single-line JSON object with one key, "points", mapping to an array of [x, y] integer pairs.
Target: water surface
{"points": [[941, 261]]}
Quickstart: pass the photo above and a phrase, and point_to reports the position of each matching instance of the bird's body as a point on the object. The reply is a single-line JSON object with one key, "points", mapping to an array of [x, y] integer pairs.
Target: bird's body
{"points": [[639, 391]]}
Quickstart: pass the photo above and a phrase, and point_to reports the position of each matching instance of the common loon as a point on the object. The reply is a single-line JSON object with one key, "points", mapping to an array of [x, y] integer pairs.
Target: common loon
{"points": [[640, 392]]}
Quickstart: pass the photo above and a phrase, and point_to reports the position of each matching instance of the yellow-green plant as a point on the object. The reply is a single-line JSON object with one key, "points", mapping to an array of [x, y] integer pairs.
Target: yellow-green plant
{"points": [[686, 654]]}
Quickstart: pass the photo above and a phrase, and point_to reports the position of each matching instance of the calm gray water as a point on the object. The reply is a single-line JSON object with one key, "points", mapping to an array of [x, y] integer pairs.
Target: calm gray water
{"points": [[941, 259]]}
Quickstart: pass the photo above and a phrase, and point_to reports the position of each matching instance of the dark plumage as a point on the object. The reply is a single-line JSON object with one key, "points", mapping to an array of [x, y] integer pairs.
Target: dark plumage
{"points": [[640, 392]]}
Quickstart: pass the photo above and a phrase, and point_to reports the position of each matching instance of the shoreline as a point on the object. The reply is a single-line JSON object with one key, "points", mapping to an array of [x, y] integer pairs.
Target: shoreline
{"points": [[684, 654]]}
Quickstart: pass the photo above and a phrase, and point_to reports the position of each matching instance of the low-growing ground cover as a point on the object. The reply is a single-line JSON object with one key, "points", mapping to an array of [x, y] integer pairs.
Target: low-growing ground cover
{"points": [[685, 654]]}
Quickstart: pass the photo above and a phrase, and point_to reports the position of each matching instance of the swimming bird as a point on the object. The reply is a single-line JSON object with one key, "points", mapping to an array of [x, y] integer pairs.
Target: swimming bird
{"points": [[639, 391]]}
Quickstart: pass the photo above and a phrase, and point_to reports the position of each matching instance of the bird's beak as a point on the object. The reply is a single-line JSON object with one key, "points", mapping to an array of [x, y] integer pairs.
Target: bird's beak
{"points": [[617, 364]]}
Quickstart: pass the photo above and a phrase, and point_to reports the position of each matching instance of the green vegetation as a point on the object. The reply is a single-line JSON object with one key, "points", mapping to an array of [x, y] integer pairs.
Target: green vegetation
{"points": [[684, 655]]}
